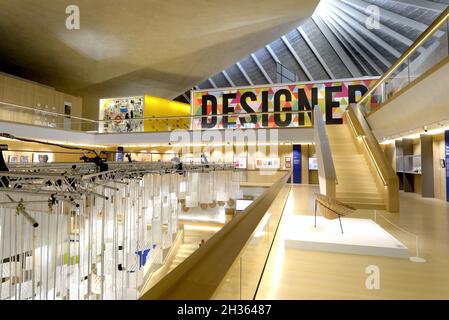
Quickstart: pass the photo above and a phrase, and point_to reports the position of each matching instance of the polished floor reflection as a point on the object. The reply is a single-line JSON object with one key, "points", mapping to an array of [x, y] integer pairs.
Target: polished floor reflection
{"points": [[301, 274]]}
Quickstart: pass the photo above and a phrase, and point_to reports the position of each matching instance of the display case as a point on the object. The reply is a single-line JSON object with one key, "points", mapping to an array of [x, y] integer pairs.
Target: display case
{"points": [[412, 164], [409, 164]]}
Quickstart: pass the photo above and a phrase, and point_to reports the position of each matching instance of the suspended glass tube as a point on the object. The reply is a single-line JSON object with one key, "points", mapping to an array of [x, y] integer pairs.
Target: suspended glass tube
{"points": [[98, 241]]}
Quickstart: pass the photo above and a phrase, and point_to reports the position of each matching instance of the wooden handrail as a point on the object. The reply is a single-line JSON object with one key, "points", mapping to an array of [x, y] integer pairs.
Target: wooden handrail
{"points": [[199, 276]]}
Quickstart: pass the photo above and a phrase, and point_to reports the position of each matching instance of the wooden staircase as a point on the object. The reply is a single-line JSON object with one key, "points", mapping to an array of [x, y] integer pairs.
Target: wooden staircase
{"points": [[184, 251], [356, 183]]}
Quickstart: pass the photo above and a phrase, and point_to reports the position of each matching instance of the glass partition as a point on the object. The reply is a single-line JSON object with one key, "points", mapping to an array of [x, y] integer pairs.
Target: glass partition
{"points": [[242, 280], [427, 52], [409, 164]]}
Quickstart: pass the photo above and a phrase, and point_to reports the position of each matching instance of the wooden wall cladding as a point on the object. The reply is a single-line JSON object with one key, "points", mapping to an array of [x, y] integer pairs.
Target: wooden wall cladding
{"points": [[30, 94]]}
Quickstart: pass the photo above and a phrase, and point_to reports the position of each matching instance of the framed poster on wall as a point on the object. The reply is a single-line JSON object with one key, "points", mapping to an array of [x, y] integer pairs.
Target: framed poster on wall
{"points": [[240, 163], [118, 114], [13, 159], [313, 164], [268, 163], [288, 162], [42, 157], [24, 159]]}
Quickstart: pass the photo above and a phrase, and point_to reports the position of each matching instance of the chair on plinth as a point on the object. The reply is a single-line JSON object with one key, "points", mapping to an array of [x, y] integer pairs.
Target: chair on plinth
{"points": [[332, 209]]}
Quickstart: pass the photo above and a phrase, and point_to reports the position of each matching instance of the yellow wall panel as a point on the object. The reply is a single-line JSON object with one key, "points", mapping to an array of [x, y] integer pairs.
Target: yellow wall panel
{"points": [[160, 107]]}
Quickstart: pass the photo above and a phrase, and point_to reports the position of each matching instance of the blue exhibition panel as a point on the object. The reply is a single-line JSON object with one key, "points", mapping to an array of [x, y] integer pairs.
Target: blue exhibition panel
{"points": [[296, 163], [446, 153]]}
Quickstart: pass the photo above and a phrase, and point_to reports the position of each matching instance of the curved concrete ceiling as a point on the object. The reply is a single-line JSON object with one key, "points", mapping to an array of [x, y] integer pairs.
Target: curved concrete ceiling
{"points": [[127, 47]]}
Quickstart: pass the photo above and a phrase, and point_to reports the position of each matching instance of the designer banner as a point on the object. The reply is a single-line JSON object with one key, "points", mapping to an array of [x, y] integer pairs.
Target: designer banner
{"points": [[280, 106]]}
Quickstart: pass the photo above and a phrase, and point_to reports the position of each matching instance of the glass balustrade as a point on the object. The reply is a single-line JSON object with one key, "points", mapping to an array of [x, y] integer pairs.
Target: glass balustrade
{"points": [[243, 278], [45, 117], [426, 53]]}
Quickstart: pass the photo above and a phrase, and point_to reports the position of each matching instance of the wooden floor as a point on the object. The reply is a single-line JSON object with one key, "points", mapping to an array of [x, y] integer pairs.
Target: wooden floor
{"points": [[300, 274]]}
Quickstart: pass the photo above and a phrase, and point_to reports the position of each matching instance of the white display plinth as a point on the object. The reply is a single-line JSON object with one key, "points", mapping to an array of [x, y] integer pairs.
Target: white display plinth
{"points": [[361, 236]]}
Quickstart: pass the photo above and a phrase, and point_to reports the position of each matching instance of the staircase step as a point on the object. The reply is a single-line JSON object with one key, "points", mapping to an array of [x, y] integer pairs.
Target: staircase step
{"points": [[351, 165], [342, 187], [351, 156], [358, 194], [350, 180], [348, 157], [343, 149], [361, 205], [353, 173], [361, 200], [341, 138], [356, 188], [346, 160], [336, 127], [185, 250]]}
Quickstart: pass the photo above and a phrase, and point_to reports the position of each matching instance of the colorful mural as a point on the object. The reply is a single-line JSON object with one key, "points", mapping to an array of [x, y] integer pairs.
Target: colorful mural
{"points": [[229, 108], [135, 114], [121, 114]]}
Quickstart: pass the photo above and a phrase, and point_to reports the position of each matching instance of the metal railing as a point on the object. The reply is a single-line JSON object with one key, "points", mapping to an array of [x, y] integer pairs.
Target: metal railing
{"points": [[284, 75], [44, 118]]}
